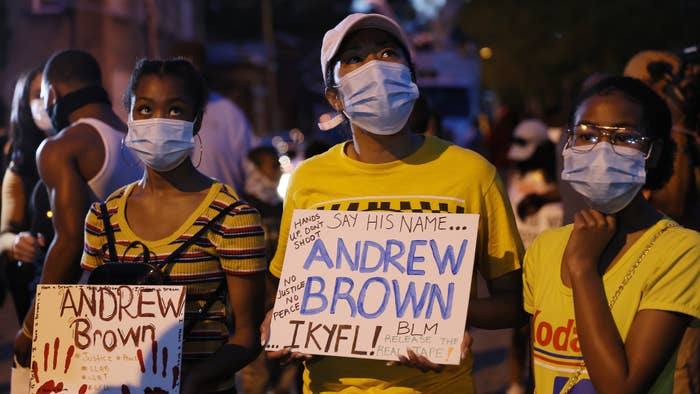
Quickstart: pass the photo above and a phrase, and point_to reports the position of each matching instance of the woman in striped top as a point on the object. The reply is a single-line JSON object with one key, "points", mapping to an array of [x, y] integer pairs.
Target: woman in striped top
{"points": [[171, 202]]}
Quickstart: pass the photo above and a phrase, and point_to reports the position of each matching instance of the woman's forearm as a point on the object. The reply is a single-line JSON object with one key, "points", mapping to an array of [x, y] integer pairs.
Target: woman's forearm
{"points": [[602, 347], [614, 365], [503, 308], [221, 365]]}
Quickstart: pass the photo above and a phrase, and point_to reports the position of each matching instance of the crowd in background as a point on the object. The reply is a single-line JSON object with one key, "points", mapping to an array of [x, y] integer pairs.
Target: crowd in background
{"points": [[225, 162]]}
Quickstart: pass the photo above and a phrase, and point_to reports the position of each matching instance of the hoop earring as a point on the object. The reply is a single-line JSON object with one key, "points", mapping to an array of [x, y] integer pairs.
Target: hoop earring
{"points": [[128, 162], [201, 151]]}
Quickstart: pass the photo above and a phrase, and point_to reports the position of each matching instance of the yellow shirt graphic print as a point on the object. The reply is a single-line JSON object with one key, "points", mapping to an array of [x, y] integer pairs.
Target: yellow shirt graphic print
{"points": [[426, 204], [665, 280]]}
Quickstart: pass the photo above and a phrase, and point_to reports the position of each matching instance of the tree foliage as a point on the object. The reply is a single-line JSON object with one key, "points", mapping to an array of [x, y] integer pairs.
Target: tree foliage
{"points": [[543, 49], [241, 19]]}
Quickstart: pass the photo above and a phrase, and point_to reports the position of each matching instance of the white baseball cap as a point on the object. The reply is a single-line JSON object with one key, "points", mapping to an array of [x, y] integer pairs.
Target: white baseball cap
{"points": [[528, 134], [353, 22]]}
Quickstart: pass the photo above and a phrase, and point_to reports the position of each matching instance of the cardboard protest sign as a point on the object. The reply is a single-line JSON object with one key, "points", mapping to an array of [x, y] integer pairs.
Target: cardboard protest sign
{"points": [[372, 284], [107, 339]]}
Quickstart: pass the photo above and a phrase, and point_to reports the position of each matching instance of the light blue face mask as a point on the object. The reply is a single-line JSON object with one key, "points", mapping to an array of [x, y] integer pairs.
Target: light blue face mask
{"points": [[608, 181], [160, 143], [378, 96]]}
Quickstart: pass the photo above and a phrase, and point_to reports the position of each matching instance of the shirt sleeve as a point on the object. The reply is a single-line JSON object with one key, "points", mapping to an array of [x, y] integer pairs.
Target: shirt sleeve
{"points": [[240, 242], [289, 206], [673, 285], [529, 277], [502, 249], [94, 239]]}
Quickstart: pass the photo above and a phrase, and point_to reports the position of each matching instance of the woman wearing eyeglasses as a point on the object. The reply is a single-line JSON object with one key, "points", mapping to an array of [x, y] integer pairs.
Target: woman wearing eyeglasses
{"points": [[611, 295]]}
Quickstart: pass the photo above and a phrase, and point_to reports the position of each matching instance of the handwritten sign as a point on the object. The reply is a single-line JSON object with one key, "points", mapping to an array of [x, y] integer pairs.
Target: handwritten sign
{"points": [[373, 284], [107, 339]]}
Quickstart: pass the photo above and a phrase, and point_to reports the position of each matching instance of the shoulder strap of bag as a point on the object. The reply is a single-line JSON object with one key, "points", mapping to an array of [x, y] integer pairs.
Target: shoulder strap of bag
{"points": [[576, 377], [175, 254], [201, 312], [109, 230]]}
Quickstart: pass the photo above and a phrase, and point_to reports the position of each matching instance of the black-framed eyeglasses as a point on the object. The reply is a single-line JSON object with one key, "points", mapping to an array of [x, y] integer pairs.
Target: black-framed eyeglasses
{"points": [[584, 136]]}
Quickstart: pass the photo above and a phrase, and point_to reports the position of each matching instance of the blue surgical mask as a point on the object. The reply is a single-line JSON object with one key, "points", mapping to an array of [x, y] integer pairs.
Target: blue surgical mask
{"points": [[608, 181], [378, 96], [161, 144]]}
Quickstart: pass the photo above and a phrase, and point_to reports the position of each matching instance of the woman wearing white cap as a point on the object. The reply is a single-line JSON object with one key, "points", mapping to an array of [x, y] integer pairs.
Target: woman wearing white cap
{"points": [[368, 74]]}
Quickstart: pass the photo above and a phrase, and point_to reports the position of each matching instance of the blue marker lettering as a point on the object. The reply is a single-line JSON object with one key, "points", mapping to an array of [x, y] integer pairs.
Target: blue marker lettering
{"points": [[409, 298], [441, 261], [343, 252], [363, 294], [365, 251], [436, 295], [412, 258], [392, 259], [339, 294], [305, 310], [318, 253]]}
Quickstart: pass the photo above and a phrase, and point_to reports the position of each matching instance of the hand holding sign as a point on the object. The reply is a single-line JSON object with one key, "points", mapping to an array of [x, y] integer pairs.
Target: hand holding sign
{"points": [[425, 365], [23, 349], [284, 356]]}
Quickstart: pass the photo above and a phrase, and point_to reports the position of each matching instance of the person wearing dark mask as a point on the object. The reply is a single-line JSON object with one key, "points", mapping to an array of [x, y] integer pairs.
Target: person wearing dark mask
{"points": [[82, 163], [370, 82], [611, 295]]}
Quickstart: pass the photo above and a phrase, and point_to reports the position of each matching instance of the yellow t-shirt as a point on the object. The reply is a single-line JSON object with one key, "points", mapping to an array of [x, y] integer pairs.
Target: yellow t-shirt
{"points": [[439, 177], [234, 246], [666, 279]]}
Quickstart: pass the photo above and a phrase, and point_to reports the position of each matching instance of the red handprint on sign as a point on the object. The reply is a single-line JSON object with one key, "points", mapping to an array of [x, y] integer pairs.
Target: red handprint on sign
{"points": [[50, 386], [156, 390], [154, 367], [125, 390], [148, 390]]}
